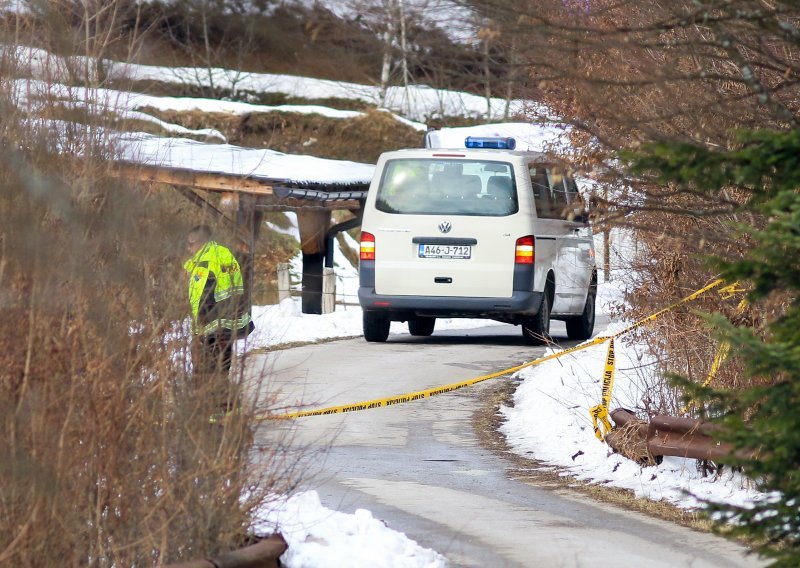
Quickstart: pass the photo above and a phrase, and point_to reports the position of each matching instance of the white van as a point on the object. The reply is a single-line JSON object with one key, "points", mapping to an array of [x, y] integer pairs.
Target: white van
{"points": [[477, 232]]}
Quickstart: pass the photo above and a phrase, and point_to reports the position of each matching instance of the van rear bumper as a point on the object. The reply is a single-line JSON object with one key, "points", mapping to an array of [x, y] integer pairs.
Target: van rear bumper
{"points": [[521, 302]]}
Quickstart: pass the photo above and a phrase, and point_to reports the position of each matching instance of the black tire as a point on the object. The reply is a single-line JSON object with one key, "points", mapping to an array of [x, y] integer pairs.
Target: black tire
{"points": [[376, 326], [422, 327], [582, 327], [536, 331]]}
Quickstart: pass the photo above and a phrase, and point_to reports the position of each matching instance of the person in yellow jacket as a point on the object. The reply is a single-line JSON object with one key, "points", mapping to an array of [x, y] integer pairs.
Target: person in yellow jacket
{"points": [[220, 314]]}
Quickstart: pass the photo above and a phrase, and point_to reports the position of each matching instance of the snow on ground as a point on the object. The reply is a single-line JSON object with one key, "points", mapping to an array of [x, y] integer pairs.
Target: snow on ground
{"points": [[226, 158], [177, 152], [318, 536], [30, 91], [549, 421], [416, 102]]}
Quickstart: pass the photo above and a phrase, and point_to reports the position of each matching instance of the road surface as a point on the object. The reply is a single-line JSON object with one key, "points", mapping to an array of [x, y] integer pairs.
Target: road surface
{"points": [[421, 468]]}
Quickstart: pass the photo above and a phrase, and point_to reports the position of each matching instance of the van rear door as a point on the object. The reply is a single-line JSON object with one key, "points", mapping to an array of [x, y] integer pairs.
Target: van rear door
{"points": [[437, 228]]}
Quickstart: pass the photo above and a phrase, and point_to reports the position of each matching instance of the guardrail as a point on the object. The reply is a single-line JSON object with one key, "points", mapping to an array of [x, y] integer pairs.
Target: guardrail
{"points": [[665, 435]]}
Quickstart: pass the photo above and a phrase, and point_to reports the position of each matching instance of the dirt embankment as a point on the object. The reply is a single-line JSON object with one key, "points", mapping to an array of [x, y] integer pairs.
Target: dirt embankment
{"points": [[360, 139]]}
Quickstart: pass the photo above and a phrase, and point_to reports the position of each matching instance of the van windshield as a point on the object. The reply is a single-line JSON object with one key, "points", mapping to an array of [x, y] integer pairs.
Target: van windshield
{"points": [[447, 187]]}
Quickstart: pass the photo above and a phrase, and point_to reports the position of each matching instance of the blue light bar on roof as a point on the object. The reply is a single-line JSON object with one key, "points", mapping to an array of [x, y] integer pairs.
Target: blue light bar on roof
{"points": [[493, 143]]}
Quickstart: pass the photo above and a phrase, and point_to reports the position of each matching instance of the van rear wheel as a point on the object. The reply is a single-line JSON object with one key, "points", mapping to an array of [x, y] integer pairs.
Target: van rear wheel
{"points": [[582, 326], [536, 330], [376, 326], [422, 327]]}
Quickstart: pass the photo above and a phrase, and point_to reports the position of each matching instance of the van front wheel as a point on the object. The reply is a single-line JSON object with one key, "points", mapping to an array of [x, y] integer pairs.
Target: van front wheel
{"points": [[422, 327], [536, 331], [582, 326], [376, 326]]}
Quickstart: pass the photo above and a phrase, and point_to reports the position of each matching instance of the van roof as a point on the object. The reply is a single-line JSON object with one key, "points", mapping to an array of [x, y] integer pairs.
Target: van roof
{"points": [[470, 152]]}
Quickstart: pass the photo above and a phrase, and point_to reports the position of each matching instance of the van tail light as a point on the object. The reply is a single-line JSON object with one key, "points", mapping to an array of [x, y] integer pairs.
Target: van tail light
{"points": [[367, 246], [523, 254]]}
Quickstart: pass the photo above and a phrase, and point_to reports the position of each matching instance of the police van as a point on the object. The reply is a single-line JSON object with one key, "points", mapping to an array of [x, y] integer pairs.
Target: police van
{"points": [[482, 231]]}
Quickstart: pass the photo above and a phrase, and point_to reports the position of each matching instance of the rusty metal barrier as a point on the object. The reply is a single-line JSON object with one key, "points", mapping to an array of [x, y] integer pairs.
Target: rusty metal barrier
{"points": [[263, 554], [665, 436]]}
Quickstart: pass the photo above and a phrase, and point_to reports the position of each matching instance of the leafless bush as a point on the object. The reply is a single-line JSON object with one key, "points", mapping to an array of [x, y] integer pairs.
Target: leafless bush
{"points": [[108, 456]]}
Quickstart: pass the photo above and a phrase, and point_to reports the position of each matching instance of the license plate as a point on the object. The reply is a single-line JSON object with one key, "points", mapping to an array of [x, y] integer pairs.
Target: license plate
{"points": [[445, 251]]}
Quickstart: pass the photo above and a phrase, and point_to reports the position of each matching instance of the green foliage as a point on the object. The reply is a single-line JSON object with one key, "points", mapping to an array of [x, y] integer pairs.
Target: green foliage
{"points": [[764, 161], [762, 420]]}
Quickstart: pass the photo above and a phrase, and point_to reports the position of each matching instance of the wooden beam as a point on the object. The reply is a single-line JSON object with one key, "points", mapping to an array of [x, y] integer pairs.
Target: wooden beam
{"points": [[196, 179]]}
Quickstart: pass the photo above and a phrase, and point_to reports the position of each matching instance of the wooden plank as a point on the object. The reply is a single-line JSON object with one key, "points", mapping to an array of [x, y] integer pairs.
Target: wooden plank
{"points": [[196, 179]]}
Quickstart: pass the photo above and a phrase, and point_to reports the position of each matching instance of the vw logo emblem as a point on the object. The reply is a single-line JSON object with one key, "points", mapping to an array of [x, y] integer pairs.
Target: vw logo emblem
{"points": [[445, 226]]}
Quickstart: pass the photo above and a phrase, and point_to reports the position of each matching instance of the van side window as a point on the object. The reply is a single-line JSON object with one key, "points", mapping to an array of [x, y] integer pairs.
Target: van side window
{"points": [[542, 193], [558, 192], [572, 190]]}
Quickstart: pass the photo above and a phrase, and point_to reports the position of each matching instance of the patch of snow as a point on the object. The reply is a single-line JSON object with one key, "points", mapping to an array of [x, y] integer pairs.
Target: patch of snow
{"points": [[321, 538], [226, 158], [416, 102], [550, 422]]}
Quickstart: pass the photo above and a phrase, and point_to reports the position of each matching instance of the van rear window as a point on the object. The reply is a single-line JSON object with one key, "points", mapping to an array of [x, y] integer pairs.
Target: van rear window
{"points": [[447, 187]]}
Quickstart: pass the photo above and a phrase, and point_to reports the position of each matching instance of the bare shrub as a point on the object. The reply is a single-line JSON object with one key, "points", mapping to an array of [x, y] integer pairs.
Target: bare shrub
{"points": [[108, 454]]}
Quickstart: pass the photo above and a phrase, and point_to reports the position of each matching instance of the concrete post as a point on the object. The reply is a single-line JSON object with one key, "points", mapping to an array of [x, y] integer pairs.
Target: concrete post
{"points": [[284, 282], [328, 290]]}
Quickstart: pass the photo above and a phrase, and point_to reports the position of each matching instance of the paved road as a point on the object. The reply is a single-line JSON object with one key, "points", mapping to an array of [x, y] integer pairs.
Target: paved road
{"points": [[420, 467]]}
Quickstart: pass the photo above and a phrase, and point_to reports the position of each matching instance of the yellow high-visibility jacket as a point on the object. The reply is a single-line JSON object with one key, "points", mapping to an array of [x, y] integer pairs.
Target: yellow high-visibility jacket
{"points": [[216, 292]]}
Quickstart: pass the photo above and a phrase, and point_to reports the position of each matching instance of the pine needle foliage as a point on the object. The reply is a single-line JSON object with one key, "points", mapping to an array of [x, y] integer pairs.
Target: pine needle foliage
{"points": [[761, 421]]}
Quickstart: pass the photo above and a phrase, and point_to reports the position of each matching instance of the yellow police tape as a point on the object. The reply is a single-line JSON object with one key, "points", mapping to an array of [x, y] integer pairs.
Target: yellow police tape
{"points": [[725, 347], [428, 393], [599, 412]]}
